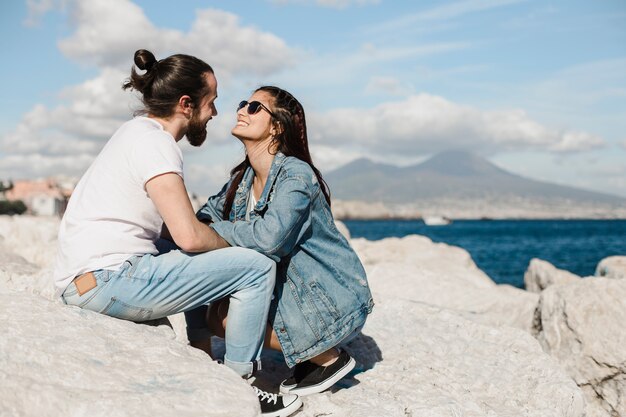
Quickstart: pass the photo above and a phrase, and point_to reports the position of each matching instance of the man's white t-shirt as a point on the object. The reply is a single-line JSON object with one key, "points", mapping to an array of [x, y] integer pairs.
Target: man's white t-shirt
{"points": [[110, 217]]}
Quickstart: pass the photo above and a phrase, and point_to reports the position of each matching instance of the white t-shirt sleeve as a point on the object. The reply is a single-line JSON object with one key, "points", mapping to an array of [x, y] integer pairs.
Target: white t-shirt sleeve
{"points": [[156, 153]]}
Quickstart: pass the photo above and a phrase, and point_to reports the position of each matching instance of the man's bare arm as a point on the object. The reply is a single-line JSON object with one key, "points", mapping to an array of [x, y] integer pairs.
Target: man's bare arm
{"points": [[169, 195]]}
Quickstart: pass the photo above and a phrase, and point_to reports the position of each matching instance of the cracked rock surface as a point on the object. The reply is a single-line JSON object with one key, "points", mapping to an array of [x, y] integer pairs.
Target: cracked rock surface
{"points": [[541, 274], [583, 325]]}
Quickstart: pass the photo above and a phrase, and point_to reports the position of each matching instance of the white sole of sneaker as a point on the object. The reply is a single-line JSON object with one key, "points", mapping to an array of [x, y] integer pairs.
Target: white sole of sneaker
{"points": [[284, 389], [316, 389], [287, 411]]}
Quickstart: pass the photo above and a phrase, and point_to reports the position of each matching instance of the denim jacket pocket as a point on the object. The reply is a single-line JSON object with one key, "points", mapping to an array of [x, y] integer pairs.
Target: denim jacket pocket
{"points": [[121, 310], [323, 302]]}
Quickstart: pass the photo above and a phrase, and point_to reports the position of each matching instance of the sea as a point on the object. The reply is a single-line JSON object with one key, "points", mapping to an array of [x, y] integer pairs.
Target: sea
{"points": [[504, 248]]}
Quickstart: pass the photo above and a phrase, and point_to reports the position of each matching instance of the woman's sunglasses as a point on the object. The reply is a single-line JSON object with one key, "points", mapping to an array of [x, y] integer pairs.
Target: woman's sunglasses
{"points": [[254, 107]]}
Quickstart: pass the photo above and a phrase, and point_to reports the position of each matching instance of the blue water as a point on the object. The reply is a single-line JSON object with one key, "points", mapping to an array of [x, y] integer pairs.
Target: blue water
{"points": [[503, 248]]}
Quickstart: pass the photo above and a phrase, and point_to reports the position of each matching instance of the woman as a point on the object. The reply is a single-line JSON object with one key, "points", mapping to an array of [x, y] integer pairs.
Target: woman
{"points": [[277, 203]]}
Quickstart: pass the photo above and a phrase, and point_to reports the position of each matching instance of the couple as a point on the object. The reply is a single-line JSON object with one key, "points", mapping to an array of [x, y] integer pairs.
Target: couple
{"points": [[264, 253]]}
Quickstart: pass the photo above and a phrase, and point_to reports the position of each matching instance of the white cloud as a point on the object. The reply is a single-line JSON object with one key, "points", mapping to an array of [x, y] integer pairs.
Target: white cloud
{"points": [[327, 157], [576, 141], [578, 96], [423, 124], [36, 165], [96, 105], [234, 49], [89, 113], [107, 33], [102, 37], [623, 144]]}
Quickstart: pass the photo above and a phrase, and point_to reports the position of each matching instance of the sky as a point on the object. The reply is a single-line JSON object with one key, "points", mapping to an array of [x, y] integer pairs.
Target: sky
{"points": [[536, 86]]}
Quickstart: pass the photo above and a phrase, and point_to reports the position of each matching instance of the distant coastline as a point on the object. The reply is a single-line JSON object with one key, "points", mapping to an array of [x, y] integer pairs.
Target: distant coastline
{"points": [[476, 209]]}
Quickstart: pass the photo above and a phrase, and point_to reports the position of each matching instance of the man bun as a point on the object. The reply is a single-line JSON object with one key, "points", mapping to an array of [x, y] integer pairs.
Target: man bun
{"points": [[144, 59]]}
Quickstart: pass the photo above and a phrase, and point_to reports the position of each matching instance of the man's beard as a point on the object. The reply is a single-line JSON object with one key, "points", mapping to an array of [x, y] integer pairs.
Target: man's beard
{"points": [[196, 131]]}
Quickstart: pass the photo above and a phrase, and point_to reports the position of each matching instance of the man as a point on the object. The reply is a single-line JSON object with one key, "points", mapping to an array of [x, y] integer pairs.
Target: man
{"points": [[108, 258]]}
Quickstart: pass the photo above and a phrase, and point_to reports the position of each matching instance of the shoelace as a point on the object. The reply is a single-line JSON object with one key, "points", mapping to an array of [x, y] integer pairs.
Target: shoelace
{"points": [[266, 396]]}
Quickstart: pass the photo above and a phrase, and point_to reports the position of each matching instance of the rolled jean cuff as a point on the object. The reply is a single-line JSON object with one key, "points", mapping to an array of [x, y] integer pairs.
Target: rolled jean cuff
{"points": [[198, 334], [244, 369]]}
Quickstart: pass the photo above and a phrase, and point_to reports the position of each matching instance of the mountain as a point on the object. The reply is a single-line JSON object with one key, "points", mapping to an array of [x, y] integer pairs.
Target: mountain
{"points": [[451, 175]]}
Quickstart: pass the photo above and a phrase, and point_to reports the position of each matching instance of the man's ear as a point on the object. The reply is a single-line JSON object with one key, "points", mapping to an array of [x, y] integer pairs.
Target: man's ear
{"points": [[186, 105]]}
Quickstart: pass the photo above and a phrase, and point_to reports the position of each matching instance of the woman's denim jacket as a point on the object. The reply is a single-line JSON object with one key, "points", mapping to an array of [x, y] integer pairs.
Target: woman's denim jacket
{"points": [[321, 294]]}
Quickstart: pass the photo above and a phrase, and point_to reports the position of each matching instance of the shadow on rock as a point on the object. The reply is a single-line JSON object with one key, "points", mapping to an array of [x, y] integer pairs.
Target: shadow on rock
{"points": [[365, 351]]}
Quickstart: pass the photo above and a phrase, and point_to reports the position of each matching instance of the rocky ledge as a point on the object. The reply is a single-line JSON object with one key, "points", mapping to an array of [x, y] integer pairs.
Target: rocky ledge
{"points": [[443, 340]]}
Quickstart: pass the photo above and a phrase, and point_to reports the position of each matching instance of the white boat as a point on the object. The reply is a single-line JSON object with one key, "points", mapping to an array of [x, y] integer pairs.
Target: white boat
{"points": [[436, 220]]}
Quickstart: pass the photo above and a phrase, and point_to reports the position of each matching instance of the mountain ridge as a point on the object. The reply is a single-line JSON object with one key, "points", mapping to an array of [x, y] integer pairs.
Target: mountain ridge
{"points": [[450, 175]]}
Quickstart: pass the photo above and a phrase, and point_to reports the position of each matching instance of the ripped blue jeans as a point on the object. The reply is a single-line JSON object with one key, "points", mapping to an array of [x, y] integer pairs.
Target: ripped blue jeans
{"points": [[153, 286]]}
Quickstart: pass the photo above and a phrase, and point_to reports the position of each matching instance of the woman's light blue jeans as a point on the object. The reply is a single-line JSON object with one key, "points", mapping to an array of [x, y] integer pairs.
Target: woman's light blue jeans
{"points": [[153, 286]]}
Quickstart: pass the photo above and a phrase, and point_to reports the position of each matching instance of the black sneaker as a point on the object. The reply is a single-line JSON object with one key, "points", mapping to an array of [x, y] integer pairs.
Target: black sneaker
{"points": [[309, 378], [300, 371], [277, 405]]}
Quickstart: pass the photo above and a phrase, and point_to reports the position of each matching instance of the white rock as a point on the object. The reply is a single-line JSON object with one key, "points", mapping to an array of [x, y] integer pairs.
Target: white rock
{"points": [[16, 273], [583, 325], [541, 274], [612, 267], [343, 229], [34, 238], [416, 269], [57, 360]]}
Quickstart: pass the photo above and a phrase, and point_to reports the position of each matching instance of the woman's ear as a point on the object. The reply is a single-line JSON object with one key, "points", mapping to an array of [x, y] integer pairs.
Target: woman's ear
{"points": [[277, 128]]}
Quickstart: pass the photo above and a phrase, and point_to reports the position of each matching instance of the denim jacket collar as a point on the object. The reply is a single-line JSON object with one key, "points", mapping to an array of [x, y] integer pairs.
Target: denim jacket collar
{"points": [[243, 190]]}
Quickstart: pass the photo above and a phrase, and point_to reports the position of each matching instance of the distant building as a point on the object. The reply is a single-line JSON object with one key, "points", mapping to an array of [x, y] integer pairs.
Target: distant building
{"points": [[47, 197]]}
